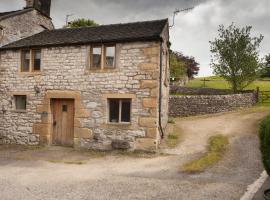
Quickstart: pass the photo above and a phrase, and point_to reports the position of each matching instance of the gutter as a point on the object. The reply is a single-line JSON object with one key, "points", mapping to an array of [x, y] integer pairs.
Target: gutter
{"points": [[160, 92]]}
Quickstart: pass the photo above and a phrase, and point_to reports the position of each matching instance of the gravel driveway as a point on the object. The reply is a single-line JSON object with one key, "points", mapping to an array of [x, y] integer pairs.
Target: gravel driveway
{"points": [[36, 174]]}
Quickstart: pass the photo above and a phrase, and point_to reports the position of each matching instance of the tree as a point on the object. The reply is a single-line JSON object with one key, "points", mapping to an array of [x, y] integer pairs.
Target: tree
{"points": [[265, 72], [81, 23], [183, 65], [178, 67], [236, 56]]}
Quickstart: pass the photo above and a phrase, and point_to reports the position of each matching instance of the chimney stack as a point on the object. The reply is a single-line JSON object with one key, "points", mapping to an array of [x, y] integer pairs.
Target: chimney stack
{"points": [[43, 6]]}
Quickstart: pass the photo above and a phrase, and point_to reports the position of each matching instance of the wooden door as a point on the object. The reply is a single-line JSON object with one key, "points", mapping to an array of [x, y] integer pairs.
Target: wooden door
{"points": [[63, 122]]}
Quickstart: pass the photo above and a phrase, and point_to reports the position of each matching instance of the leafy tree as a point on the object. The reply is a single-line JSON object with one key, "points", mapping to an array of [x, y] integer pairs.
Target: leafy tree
{"points": [[178, 68], [81, 23], [236, 56], [266, 67], [181, 66]]}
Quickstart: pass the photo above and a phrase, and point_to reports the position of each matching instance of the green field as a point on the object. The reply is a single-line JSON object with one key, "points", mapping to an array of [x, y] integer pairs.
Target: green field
{"points": [[219, 83]]}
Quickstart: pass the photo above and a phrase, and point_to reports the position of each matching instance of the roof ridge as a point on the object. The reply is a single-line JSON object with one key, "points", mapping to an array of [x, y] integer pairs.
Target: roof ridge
{"points": [[105, 25]]}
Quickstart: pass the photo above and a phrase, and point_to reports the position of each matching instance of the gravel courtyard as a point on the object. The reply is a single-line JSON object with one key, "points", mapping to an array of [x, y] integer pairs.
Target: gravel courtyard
{"points": [[65, 174]]}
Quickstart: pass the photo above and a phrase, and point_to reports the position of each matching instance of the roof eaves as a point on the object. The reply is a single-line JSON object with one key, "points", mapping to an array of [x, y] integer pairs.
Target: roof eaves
{"points": [[82, 43]]}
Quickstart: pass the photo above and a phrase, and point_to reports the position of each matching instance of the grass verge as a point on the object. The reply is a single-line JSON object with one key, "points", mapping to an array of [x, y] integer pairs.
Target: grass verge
{"points": [[174, 137], [215, 151]]}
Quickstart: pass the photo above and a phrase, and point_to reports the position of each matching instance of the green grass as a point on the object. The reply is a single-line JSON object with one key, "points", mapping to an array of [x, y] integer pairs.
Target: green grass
{"points": [[68, 162], [219, 83], [173, 139], [215, 151], [171, 121]]}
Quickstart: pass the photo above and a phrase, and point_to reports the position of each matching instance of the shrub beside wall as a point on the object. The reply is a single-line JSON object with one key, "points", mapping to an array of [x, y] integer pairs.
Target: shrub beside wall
{"points": [[265, 143], [183, 106]]}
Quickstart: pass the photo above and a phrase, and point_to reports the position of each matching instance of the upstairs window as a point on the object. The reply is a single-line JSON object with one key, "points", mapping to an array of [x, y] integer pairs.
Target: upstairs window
{"points": [[96, 57], [25, 61], [119, 110], [20, 102], [31, 60], [36, 60], [102, 57], [109, 56]]}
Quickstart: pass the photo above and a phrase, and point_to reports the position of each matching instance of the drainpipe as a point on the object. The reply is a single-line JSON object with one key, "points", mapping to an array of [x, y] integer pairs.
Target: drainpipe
{"points": [[160, 92]]}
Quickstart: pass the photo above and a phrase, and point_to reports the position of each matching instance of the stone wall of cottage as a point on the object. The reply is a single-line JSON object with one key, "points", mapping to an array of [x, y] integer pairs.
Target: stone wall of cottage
{"points": [[65, 74], [23, 25], [165, 80]]}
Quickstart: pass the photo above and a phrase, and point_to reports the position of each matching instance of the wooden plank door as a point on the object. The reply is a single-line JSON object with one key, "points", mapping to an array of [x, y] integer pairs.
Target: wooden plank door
{"points": [[63, 122]]}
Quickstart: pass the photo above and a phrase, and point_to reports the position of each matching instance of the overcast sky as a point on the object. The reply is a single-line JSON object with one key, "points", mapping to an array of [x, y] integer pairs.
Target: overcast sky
{"points": [[192, 31]]}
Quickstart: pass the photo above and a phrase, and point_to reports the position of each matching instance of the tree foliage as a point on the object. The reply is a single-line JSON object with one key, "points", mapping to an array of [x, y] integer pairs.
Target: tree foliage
{"points": [[235, 56], [81, 23], [181, 66], [265, 72]]}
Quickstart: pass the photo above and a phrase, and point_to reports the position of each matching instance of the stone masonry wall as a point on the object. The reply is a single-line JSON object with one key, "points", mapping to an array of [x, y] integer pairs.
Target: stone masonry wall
{"points": [[183, 106], [23, 25], [202, 91], [65, 74]]}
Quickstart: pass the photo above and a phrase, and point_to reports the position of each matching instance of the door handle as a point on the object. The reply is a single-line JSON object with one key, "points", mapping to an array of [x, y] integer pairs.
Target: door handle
{"points": [[54, 123]]}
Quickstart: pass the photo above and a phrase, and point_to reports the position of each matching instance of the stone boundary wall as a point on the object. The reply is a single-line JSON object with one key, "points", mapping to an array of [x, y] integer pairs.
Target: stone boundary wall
{"points": [[202, 91], [183, 106]]}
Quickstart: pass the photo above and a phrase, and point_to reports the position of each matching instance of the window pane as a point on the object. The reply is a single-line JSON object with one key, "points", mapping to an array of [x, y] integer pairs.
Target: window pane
{"points": [[125, 113], [20, 102], [96, 63], [26, 61], [37, 60], [114, 110], [110, 56]]}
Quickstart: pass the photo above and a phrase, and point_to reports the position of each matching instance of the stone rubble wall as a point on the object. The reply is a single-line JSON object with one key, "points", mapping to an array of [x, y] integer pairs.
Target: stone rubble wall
{"points": [[183, 106], [65, 74], [201, 91], [23, 25]]}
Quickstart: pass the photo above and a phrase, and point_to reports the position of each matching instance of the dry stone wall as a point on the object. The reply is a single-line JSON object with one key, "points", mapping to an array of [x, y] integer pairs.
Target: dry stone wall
{"points": [[183, 106]]}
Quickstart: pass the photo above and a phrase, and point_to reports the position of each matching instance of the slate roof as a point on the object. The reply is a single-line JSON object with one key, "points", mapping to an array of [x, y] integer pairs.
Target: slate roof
{"points": [[137, 31]]}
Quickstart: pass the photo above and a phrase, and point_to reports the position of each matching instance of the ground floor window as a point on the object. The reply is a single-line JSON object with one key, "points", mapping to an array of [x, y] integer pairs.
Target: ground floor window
{"points": [[119, 110], [20, 102]]}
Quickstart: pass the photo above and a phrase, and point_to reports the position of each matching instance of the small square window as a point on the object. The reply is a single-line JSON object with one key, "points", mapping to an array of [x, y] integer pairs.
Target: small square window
{"points": [[36, 60], [119, 110], [110, 56], [20, 102], [25, 65], [96, 57]]}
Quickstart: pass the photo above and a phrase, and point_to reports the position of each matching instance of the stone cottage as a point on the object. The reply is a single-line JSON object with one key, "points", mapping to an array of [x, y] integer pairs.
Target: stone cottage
{"points": [[34, 18], [102, 87]]}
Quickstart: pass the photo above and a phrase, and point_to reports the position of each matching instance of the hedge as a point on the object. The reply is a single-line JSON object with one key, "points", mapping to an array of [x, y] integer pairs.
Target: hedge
{"points": [[265, 143]]}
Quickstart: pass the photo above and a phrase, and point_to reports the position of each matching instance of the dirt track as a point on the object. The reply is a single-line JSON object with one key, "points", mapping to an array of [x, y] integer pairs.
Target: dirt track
{"points": [[24, 175]]}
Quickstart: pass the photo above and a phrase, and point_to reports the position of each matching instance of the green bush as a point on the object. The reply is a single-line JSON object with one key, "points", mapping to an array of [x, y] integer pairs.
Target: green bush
{"points": [[265, 143]]}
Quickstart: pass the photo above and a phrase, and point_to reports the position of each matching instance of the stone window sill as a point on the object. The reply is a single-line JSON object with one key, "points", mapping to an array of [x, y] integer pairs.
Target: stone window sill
{"points": [[29, 73], [19, 111], [119, 124], [105, 70]]}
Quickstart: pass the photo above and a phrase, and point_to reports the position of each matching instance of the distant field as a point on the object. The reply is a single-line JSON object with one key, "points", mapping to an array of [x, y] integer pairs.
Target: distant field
{"points": [[219, 83]]}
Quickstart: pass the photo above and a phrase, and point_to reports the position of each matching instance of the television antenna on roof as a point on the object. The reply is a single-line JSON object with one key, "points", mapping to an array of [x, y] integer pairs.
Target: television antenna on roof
{"points": [[177, 11], [67, 17]]}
